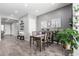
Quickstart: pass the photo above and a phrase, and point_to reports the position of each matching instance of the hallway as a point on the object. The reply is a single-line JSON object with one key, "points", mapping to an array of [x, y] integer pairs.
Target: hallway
{"points": [[9, 46]]}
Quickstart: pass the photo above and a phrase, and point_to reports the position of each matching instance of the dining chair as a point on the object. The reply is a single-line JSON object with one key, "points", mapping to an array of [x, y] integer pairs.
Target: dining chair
{"points": [[34, 33], [48, 38]]}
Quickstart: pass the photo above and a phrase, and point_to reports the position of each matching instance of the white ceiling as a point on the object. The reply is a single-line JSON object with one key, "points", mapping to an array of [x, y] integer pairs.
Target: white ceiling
{"points": [[16, 10]]}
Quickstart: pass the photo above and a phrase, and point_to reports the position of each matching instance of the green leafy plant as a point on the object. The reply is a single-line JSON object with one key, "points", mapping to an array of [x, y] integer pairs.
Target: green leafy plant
{"points": [[76, 8], [68, 37]]}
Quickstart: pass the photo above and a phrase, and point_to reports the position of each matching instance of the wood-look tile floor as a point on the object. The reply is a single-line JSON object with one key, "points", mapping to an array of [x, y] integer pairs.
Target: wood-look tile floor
{"points": [[13, 47]]}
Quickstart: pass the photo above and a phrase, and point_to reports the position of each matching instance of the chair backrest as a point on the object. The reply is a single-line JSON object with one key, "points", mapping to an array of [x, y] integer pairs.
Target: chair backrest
{"points": [[51, 33], [45, 36], [48, 35], [34, 33]]}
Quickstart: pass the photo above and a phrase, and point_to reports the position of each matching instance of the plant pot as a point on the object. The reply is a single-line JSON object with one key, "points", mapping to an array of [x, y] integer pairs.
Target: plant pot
{"points": [[68, 46], [64, 46]]}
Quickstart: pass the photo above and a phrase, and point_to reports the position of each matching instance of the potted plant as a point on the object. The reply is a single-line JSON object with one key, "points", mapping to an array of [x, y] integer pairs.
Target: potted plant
{"points": [[68, 38]]}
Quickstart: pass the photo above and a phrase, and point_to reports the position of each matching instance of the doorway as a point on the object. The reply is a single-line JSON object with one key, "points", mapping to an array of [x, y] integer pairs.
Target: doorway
{"points": [[8, 28]]}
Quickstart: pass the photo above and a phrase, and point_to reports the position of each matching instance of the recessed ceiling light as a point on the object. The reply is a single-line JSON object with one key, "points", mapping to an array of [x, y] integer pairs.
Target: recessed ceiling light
{"points": [[26, 5], [53, 3]]}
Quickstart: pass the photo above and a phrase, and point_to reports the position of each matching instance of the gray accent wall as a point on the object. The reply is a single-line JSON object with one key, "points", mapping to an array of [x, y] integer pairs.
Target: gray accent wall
{"points": [[65, 13]]}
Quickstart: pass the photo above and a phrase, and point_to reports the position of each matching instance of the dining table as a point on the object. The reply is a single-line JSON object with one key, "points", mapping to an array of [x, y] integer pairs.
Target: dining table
{"points": [[35, 38]]}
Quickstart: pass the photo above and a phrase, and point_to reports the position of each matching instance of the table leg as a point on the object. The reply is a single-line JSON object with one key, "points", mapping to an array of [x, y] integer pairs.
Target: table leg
{"points": [[40, 45], [44, 44], [30, 42], [33, 40]]}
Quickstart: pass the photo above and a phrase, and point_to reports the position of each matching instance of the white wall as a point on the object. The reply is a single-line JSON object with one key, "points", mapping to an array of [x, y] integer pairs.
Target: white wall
{"points": [[7, 29], [29, 25], [14, 29], [32, 24]]}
